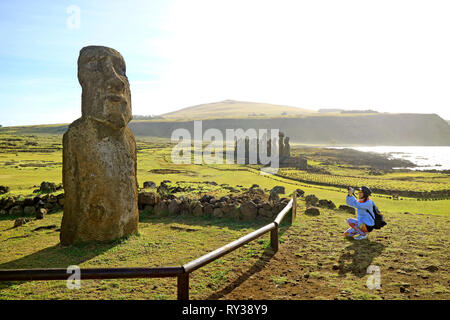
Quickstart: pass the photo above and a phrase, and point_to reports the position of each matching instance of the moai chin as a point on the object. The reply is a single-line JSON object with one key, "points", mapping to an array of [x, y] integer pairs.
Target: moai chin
{"points": [[99, 154]]}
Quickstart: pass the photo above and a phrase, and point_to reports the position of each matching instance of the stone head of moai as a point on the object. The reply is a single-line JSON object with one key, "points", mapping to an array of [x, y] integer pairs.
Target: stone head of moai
{"points": [[105, 88]]}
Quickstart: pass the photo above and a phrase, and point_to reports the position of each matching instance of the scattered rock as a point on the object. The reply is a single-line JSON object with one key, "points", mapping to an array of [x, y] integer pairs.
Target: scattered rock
{"points": [[47, 187], [311, 200], [147, 198], [40, 213], [431, 268], [4, 189], [275, 192], [312, 211], [347, 209], [404, 289], [29, 210], [16, 210], [149, 184], [20, 221], [326, 204]]}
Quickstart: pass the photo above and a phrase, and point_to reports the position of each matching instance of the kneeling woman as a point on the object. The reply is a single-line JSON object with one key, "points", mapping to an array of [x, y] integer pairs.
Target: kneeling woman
{"points": [[363, 223]]}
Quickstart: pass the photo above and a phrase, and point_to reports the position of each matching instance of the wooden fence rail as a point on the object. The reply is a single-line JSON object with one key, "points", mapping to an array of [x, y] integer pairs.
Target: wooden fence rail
{"points": [[182, 273]]}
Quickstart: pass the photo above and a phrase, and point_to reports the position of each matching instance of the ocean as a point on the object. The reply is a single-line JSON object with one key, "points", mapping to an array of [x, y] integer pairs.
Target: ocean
{"points": [[427, 158]]}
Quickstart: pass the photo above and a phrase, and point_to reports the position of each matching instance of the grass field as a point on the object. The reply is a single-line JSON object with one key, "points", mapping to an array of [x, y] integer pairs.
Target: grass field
{"points": [[314, 260]]}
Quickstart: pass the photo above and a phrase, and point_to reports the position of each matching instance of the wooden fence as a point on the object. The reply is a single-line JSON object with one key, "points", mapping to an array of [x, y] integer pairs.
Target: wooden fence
{"points": [[182, 272]]}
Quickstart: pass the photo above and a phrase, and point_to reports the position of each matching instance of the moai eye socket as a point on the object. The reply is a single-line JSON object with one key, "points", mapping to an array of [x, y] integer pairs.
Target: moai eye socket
{"points": [[120, 69]]}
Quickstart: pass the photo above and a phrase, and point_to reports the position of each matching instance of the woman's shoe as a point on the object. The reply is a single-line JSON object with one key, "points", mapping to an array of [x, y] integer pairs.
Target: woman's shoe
{"points": [[361, 237]]}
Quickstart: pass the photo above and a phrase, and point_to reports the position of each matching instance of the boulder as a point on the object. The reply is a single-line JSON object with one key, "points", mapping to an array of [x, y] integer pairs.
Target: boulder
{"points": [[265, 213], [29, 210], [347, 209], [20, 221], [99, 154], [28, 202], [163, 188], [208, 209], [206, 198], [312, 211], [198, 210], [311, 200], [278, 190], [217, 213], [147, 198], [8, 203], [174, 206], [16, 210], [4, 189], [275, 192], [231, 211], [47, 187], [248, 210], [149, 184], [161, 208], [300, 192], [40, 213], [149, 208], [326, 204]]}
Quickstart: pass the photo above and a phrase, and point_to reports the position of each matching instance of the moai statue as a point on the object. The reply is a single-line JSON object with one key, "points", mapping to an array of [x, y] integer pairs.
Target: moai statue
{"points": [[281, 144], [247, 150], [235, 149], [287, 148], [261, 149], [253, 151], [99, 154]]}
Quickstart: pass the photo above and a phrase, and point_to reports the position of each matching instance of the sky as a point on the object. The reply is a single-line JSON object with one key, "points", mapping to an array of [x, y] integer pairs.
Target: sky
{"points": [[390, 56]]}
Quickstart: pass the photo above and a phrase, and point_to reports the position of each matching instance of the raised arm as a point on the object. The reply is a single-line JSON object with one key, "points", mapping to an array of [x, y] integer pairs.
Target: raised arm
{"points": [[351, 201]]}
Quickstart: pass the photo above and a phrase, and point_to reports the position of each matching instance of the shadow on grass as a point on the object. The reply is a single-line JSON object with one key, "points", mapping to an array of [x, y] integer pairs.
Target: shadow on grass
{"points": [[361, 253], [204, 221], [58, 256], [255, 268]]}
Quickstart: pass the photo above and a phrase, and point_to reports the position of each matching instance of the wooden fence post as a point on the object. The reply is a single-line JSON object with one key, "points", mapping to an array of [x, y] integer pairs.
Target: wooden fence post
{"points": [[274, 238], [183, 286], [294, 207]]}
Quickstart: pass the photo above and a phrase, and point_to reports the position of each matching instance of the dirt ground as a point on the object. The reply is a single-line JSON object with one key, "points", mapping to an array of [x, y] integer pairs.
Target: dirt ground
{"points": [[315, 261]]}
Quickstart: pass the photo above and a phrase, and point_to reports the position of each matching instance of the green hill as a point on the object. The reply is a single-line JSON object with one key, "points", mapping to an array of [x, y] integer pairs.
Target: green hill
{"points": [[301, 125], [235, 109]]}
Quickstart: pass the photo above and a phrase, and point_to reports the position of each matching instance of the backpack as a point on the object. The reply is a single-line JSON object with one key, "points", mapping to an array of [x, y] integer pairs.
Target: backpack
{"points": [[378, 219]]}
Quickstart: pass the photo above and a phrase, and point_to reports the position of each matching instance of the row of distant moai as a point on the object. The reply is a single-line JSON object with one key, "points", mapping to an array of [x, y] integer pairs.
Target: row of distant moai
{"points": [[284, 151]]}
